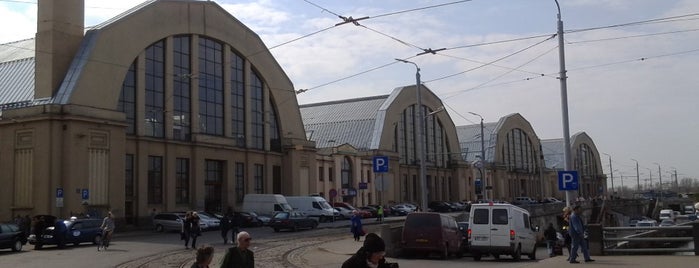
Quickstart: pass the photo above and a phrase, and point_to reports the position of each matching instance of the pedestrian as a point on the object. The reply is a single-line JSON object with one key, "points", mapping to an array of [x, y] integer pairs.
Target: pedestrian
{"points": [[107, 227], [551, 237], [26, 225], [379, 214], [566, 225], [371, 254], [226, 222], [356, 225], [186, 229], [240, 256], [153, 212], [236, 223], [577, 231], [205, 255], [192, 230]]}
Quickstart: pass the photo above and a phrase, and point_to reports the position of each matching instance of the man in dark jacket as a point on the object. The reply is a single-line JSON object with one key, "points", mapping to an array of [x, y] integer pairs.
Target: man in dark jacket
{"points": [[551, 238], [226, 222], [240, 256], [371, 253]]}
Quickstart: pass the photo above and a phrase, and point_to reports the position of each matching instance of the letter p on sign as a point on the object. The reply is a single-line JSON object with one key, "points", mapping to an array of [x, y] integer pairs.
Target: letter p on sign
{"points": [[567, 180]]}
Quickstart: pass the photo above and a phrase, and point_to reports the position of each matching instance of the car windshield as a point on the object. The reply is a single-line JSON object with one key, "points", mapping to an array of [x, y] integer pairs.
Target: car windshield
{"points": [[287, 207], [281, 215], [325, 205]]}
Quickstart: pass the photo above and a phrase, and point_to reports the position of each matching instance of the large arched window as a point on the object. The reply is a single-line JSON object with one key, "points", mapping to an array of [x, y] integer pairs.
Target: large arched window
{"points": [[127, 99], [436, 149], [258, 112], [181, 100], [210, 86], [346, 173], [237, 100], [518, 152], [586, 164], [155, 90]]}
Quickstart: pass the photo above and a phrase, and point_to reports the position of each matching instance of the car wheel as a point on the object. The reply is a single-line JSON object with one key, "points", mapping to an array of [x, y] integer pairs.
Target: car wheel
{"points": [[517, 256], [532, 256], [295, 228], [315, 225], [17, 246], [496, 256], [76, 244], [38, 246], [276, 230], [97, 240], [159, 228], [476, 257]]}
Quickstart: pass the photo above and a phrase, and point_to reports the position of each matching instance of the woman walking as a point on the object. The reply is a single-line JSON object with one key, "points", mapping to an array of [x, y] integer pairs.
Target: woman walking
{"points": [[356, 227]]}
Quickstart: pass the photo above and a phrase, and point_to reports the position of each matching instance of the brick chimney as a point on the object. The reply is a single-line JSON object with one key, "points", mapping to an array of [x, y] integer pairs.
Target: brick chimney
{"points": [[60, 28]]}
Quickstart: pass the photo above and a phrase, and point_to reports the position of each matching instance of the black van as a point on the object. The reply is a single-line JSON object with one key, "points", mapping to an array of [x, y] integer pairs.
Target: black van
{"points": [[428, 232]]}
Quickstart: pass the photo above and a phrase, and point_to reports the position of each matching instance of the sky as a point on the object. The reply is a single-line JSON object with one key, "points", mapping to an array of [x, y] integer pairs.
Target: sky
{"points": [[631, 64]]}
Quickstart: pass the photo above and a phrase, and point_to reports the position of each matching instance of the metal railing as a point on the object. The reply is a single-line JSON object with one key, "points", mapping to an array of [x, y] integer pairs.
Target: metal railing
{"points": [[649, 240]]}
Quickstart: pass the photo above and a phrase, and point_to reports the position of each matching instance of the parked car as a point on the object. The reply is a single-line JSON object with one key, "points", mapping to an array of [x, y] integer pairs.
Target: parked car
{"points": [[249, 219], [363, 213], [428, 232], [440, 206], [77, 231], [344, 213], [12, 237], [551, 200], [292, 221], [689, 209], [667, 222], [524, 200], [211, 223], [168, 221], [463, 228], [372, 211], [262, 218], [401, 210]]}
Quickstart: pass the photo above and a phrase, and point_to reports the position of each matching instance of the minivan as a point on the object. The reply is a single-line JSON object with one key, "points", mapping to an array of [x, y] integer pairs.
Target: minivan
{"points": [[428, 232], [313, 206], [666, 214], [501, 229], [265, 204]]}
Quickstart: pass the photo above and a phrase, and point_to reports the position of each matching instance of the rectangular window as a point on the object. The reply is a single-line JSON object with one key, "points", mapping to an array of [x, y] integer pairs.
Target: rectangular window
{"points": [[181, 115], [239, 182], [259, 179], [129, 177], [368, 176], [210, 87], [237, 100], [182, 181], [257, 111], [321, 174], [155, 179], [500, 216], [480, 216], [127, 99], [155, 90], [331, 174], [213, 183]]}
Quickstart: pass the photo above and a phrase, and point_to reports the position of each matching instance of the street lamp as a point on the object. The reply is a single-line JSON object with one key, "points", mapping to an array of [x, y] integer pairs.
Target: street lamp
{"points": [[421, 136], [564, 98], [480, 168]]}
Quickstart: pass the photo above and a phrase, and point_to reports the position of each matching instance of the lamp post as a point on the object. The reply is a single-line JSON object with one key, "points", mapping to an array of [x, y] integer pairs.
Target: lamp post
{"points": [[660, 177], [564, 98], [638, 177], [421, 137], [611, 172], [650, 178], [480, 169]]}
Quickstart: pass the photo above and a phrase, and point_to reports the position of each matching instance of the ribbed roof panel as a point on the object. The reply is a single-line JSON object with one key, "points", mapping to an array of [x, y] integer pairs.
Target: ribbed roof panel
{"points": [[16, 81]]}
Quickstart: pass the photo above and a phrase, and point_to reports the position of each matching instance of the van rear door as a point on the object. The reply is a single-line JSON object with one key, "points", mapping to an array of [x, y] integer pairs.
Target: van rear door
{"points": [[480, 226], [500, 227]]}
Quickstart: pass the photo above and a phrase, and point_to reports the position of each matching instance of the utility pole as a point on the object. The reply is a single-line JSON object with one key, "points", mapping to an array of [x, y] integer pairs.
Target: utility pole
{"points": [[564, 97], [480, 168], [421, 138], [611, 172], [660, 177], [638, 178]]}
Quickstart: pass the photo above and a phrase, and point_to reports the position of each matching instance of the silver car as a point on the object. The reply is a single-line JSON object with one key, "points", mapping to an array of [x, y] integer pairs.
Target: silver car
{"points": [[168, 221]]}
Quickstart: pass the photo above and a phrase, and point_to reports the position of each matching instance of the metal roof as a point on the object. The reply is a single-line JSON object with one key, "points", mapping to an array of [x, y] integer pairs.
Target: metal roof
{"points": [[470, 140], [334, 123], [17, 50], [16, 83], [553, 153]]}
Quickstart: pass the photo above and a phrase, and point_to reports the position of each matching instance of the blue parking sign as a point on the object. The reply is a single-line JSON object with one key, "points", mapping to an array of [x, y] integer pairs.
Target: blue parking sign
{"points": [[380, 164], [59, 192], [568, 180], [85, 194]]}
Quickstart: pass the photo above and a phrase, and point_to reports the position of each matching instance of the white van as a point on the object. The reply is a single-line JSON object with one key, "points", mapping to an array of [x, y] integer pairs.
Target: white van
{"points": [[666, 214], [313, 206], [501, 229], [265, 204]]}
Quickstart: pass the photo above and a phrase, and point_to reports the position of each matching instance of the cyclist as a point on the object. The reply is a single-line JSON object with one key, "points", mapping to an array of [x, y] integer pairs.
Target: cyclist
{"points": [[107, 230]]}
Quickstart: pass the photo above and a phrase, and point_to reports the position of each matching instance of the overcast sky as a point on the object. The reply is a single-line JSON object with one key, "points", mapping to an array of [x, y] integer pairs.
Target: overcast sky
{"points": [[632, 88]]}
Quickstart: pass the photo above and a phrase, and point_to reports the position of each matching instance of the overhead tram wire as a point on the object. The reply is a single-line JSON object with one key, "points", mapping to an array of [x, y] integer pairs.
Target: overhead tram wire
{"points": [[631, 36], [650, 21], [496, 65], [494, 61]]}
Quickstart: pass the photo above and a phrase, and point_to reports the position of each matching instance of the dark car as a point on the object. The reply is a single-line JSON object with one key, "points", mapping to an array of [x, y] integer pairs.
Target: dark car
{"points": [[77, 231], [372, 211], [248, 219], [12, 237], [292, 221], [440, 206], [463, 228]]}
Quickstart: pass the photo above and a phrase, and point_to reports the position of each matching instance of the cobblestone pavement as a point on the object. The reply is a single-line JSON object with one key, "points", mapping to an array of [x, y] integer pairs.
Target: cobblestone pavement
{"points": [[283, 251]]}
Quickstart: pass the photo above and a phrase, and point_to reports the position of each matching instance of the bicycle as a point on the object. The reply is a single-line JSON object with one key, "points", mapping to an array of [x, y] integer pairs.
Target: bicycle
{"points": [[104, 242]]}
